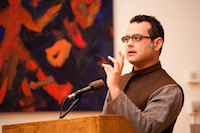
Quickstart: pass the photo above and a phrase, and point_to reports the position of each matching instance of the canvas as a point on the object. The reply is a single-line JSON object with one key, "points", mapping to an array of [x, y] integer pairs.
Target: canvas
{"points": [[49, 49]]}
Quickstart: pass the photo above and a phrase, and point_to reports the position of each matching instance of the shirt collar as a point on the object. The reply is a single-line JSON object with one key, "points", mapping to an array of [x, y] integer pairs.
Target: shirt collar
{"points": [[150, 69]]}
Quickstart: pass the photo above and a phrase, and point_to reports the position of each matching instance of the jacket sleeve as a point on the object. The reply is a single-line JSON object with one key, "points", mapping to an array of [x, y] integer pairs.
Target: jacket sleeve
{"points": [[162, 108]]}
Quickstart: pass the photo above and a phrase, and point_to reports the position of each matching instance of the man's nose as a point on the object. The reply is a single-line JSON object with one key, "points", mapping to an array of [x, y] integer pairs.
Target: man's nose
{"points": [[130, 42]]}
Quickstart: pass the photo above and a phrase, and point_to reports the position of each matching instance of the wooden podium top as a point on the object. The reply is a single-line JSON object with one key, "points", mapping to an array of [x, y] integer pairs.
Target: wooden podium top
{"points": [[91, 124]]}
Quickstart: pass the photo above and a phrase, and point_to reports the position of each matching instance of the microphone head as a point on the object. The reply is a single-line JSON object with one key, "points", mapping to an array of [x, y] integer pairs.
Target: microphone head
{"points": [[98, 84]]}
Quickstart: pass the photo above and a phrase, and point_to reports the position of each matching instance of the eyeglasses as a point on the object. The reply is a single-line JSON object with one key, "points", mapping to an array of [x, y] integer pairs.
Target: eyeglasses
{"points": [[135, 38]]}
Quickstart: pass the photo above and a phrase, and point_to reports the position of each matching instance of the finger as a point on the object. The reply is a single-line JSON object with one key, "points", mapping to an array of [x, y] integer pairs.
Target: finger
{"points": [[107, 66], [112, 59], [115, 63], [121, 59]]}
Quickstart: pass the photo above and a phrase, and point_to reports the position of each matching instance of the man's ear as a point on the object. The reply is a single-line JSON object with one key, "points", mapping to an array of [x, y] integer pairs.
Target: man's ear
{"points": [[158, 43]]}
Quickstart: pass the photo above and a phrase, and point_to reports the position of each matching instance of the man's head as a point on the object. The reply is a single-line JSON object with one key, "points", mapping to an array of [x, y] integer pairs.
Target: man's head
{"points": [[144, 40], [156, 28]]}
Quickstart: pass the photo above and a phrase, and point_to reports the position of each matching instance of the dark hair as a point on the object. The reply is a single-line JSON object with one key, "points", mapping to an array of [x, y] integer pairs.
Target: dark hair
{"points": [[156, 28]]}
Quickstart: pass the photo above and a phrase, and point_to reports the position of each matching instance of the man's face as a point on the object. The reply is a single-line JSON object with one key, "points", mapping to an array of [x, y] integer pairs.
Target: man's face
{"points": [[140, 53]]}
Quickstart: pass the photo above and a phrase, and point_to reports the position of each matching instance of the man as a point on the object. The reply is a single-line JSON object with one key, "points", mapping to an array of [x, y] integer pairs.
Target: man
{"points": [[148, 97]]}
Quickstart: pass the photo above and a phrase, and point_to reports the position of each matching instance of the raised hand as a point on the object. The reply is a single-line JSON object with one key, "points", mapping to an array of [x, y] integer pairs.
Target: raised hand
{"points": [[113, 74]]}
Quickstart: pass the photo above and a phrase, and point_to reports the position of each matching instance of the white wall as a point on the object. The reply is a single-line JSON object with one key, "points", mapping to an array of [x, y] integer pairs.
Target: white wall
{"points": [[180, 19]]}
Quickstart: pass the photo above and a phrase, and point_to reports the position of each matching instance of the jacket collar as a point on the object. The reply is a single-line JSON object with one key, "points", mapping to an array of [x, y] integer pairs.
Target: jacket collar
{"points": [[147, 70]]}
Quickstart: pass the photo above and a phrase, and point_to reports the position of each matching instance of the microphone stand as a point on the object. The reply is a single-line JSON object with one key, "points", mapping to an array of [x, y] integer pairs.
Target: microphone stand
{"points": [[74, 104]]}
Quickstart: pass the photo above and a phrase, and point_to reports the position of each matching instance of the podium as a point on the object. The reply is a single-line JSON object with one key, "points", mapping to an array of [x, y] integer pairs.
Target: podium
{"points": [[90, 124]]}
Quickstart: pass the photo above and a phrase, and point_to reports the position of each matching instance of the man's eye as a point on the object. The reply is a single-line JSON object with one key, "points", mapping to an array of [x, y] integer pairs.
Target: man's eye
{"points": [[127, 38], [136, 38]]}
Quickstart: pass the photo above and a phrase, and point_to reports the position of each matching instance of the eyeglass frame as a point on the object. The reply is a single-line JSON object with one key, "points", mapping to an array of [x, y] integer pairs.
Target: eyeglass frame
{"points": [[139, 38]]}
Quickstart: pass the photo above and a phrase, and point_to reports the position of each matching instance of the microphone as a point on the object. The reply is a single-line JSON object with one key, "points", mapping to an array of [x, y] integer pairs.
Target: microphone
{"points": [[93, 86]]}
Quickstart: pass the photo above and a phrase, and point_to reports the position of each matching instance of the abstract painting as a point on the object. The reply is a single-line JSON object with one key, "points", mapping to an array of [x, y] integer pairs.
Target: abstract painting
{"points": [[50, 49]]}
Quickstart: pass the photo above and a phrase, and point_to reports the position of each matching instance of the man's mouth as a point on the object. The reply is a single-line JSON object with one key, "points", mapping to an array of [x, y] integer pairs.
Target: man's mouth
{"points": [[131, 52]]}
